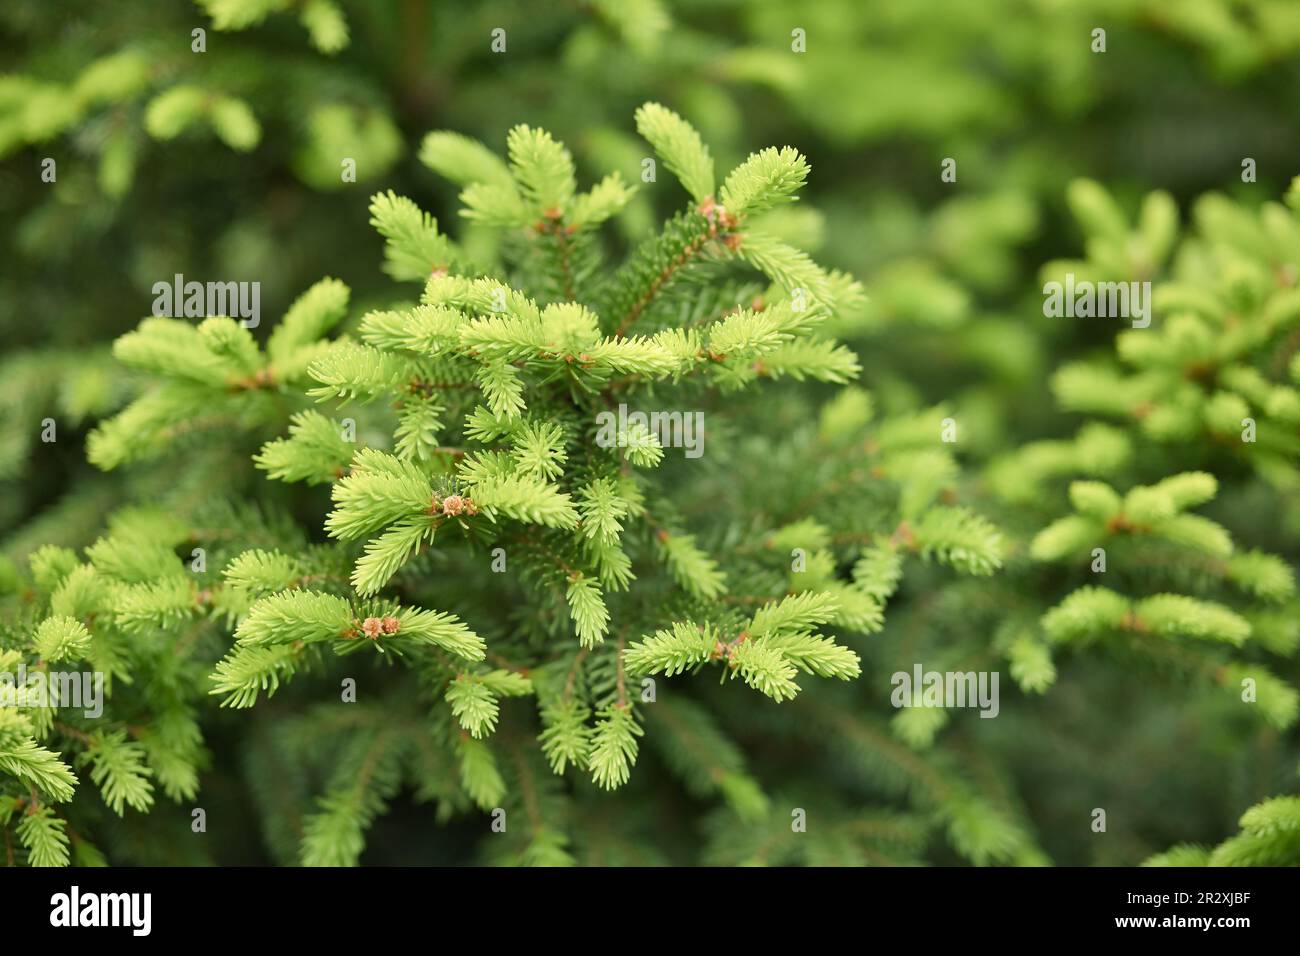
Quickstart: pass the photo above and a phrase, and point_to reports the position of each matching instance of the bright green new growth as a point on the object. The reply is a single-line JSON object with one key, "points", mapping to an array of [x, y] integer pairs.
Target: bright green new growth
{"points": [[1218, 364], [952, 319], [683, 152], [322, 19], [486, 528], [1270, 836], [1209, 389], [481, 334]]}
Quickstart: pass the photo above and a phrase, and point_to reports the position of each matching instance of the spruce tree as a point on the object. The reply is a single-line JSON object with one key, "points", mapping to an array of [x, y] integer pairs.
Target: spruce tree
{"points": [[487, 533], [401, 574], [1106, 519]]}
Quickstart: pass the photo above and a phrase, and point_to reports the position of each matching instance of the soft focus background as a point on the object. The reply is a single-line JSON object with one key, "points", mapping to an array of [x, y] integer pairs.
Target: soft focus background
{"points": [[225, 165]]}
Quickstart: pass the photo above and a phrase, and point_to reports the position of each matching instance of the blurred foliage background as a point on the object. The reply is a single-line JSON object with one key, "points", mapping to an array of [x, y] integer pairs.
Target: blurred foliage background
{"points": [[226, 164]]}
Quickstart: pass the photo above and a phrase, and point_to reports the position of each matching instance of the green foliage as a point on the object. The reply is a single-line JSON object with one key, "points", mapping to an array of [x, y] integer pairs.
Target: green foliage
{"points": [[491, 396], [1270, 836], [394, 524]]}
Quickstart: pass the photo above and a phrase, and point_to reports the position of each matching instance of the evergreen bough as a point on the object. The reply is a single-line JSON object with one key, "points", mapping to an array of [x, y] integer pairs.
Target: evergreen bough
{"points": [[1196, 598], [1210, 389], [478, 534]]}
